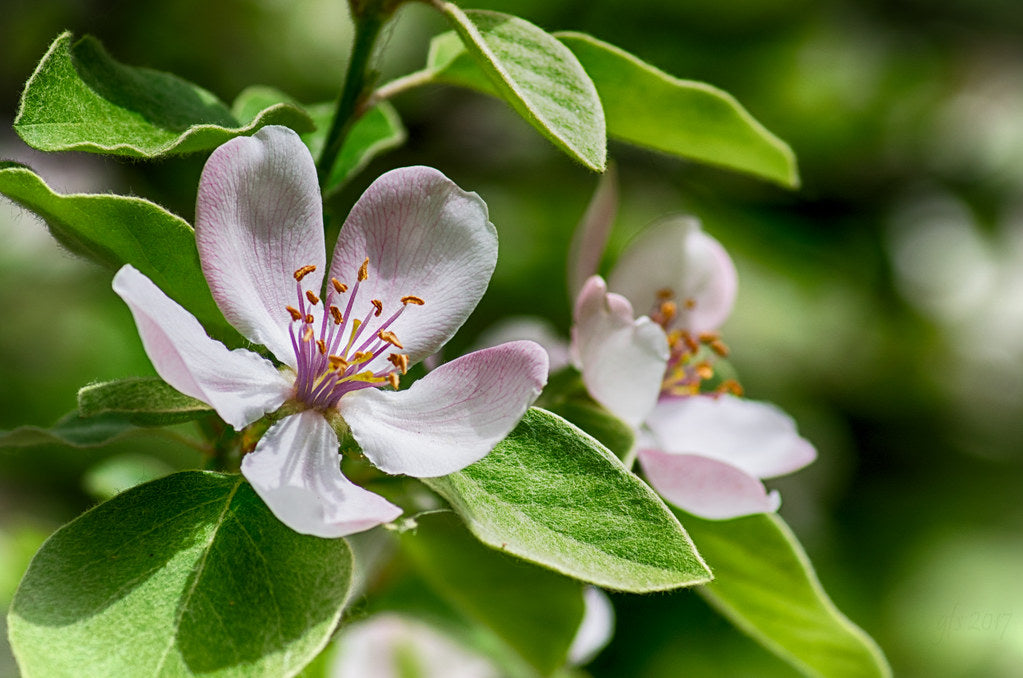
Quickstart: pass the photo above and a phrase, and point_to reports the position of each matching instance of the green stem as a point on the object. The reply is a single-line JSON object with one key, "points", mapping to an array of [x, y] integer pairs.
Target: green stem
{"points": [[358, 84], [402, 84]]}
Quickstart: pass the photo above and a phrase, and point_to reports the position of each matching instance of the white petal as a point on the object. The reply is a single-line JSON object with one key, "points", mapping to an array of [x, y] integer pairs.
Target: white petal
{"points": [[296, 470], [425, 237], [258, 219], [622, 359], [451, 417], [754, 436], [706, 487], [596, 629], [528, 328], [240, 385], [675, 254], [590, 237]]}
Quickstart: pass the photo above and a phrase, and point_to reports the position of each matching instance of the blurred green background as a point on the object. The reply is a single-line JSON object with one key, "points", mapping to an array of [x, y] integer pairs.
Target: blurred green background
{"points": [[881, 304]]}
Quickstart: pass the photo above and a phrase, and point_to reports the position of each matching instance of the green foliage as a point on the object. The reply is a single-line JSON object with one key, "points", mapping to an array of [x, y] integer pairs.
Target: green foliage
{"points": [[114, 230], [553, 495], [532, 71], [765, 584], [647, 107], [81, 99], [500, 592], [188, 575], [72, 430], [121, 472], [146, 401]]}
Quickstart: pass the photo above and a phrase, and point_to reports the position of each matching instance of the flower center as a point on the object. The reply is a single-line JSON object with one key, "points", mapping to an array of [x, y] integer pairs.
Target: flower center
{"points": [[335, 358], [692, 358]]}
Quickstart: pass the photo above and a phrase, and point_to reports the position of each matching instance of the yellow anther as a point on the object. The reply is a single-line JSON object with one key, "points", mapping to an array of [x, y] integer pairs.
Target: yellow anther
{"points": [[339, 286], [392, 379], [400, 361], [719, 347], [689, 303], [364, 270], [708, 337], [309, 318], [361, 357], [337, 363], [378, 306], [665, 293], [303, 272], [412, 299], [390, 338], [335, 313], [704, 370], [730, 386], [322, 346], [308, 334], [295, 314], [313, 299], [669, 309], [690, 343]]}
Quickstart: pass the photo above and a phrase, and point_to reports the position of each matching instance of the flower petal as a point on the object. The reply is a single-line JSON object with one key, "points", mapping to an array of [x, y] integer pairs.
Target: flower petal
{"points": [[675, 254], [706, 487], [240, 385], [596, 629], [756, 437], [426, 237], [622, 359], [530, 328], [257, 220], [296, 470], [590, 237], [451, 417]]}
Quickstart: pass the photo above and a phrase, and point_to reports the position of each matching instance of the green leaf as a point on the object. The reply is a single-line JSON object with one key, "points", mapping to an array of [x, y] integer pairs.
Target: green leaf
{"points": [[81, 99], [765, 584], [498, 591], [146, 401], [376, 131], [187, 575], [648, 107], [553, 495], [114, 230], [533, 72], [71, 430], [609, 430]]}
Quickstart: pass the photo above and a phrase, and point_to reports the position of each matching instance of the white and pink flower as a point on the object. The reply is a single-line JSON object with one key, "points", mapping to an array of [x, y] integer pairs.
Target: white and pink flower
{"points": [[410, 264]]}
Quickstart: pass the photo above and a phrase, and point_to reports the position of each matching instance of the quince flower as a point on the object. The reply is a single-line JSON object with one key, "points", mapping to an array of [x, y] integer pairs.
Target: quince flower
{"points": [[705, 453], [411, 262]]}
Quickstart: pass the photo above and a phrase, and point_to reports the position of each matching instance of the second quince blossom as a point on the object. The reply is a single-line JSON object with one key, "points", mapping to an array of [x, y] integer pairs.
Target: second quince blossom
{"points": [[411, 262]]}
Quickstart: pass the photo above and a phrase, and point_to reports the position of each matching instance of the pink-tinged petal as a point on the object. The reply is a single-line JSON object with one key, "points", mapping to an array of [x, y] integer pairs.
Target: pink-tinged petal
{"points": [[596, 629], [257, 220], [529, 328], [426, 237], [590, 237], [451, 417], [675, 254], [754, 436], [706, 487], [296, 471], [240, 385], [622, 359]]}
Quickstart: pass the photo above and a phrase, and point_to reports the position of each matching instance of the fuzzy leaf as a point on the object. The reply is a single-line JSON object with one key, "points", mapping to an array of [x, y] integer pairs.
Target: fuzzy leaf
{"points": [[553, 495], [765, 584], [114, 230], [81, 99], [532, 71], [147, 401], [184, 576], [498, 591], [71, 430], [612, 432], [647, 107]]}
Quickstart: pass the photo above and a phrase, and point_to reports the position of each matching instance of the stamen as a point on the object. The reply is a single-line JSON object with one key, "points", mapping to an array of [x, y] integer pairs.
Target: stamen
{"points": [[708, 337], [378, 305], [322, 346], [335, 313], [392, 379], [303, 272], [313, 299], [340, 287], [390, 338], [309, 318], [731, 386], [690, 343], [364, 270], [704, 370], [400, 361], [719, 347], [308, 334], [412, 299], [668, 310], [689, 303], [665, 293], [337, 363], [361, 357], [295, 314]]}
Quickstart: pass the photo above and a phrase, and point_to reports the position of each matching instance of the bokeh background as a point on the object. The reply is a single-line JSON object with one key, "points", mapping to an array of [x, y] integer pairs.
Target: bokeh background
{"points": [[881, 304]]}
